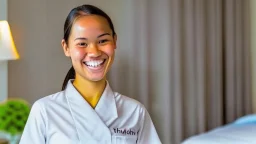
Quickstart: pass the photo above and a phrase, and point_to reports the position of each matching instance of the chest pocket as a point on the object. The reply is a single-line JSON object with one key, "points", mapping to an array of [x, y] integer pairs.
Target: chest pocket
{"points": [[124, 139]]}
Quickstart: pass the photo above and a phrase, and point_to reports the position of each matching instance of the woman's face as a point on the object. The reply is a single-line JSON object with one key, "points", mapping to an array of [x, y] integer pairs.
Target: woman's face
{"points": [[91, 47]]}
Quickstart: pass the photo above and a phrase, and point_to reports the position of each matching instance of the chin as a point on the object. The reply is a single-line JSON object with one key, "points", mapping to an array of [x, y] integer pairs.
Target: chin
{"points": [[96, 79]]}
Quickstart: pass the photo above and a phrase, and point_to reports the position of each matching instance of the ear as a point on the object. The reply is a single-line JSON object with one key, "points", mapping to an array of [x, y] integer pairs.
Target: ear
{"points": [[115, 40], [65, 48]]}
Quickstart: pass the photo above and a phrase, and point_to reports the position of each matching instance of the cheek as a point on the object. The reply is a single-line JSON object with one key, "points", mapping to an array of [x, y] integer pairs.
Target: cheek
{"points": [[110, 51], [77, 54]]}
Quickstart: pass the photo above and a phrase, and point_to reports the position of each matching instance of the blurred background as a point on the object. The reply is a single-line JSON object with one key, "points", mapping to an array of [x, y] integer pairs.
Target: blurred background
{"points": [[190, 62]]}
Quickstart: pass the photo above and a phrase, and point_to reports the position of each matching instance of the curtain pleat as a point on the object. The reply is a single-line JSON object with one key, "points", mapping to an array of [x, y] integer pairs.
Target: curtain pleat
{"points": [[187, 61]]}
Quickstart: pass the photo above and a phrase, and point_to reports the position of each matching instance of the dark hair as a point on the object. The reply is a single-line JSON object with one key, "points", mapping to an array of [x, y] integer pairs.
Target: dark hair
{"points": [[71, 18]]}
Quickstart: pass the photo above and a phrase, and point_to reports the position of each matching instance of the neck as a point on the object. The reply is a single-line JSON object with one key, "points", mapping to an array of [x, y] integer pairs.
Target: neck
{"points": [[89, 89]]}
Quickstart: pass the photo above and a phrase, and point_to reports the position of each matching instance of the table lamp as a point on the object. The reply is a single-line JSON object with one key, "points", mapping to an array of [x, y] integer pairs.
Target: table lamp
{"points": [[7, 52]]}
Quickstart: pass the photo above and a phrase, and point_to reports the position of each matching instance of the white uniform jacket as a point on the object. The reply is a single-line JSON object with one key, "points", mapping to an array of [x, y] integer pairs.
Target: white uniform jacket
{"points": [[66, 118]]}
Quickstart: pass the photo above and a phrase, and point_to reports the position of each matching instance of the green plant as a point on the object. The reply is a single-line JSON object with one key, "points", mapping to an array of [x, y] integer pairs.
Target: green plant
{"points": [[13, 116]]}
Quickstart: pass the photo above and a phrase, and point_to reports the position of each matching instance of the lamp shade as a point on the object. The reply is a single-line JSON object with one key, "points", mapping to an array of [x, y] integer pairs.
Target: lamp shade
{"points": [[7, 47]]}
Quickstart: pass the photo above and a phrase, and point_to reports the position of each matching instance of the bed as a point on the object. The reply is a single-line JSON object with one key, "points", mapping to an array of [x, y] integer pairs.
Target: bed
{"points": [[242, 131]]}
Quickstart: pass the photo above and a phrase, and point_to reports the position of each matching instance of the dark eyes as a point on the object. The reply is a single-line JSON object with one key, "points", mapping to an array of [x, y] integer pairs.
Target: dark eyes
{"points": [[103, 41], [82, 44]]}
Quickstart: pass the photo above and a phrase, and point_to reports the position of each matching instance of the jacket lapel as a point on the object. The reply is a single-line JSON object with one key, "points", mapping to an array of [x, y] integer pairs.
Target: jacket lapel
{"points": [[89, 125], [106, 107]]}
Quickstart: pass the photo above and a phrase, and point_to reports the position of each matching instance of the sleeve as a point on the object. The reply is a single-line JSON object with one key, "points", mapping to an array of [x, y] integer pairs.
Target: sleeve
{"points": [[34, 131], [147, 133]]}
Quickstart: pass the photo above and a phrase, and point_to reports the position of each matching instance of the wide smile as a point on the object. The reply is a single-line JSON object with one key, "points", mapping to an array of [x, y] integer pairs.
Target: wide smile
{"points": [[95, 64]]}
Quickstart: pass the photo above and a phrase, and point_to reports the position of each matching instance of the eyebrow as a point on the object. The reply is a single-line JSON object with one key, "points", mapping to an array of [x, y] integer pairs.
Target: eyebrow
{"points": [[103, 35], [82, 38]]}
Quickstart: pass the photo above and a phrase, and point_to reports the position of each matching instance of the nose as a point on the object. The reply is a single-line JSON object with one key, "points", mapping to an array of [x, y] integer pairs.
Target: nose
{"points": [[93, 51]]}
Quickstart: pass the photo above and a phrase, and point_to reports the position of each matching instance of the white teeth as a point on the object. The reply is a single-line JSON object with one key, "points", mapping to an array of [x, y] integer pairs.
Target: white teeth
{"points": [[94, 63]]}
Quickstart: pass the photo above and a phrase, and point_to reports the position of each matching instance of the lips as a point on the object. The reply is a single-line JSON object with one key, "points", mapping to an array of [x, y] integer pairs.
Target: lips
{"points": [[95, 64]]}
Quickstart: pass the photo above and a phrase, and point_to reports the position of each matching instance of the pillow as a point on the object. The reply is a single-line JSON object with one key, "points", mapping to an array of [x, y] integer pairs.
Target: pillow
{"points": [[249, 119]]}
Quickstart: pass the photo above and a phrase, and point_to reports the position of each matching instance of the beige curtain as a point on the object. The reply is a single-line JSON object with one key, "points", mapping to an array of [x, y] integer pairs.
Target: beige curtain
{"points": [[187, 61]]}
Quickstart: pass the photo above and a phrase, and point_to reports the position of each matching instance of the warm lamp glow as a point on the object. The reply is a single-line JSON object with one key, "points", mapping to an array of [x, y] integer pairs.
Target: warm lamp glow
{"points": [[7, 47]]}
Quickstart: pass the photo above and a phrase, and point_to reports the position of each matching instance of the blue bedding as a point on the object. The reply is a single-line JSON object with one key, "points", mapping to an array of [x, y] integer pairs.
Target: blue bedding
{"points": [[242, 131]]}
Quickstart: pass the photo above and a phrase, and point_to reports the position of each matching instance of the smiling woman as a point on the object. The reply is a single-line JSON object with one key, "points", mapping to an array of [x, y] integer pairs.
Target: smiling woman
{"points": [[90, 46], [87, 111]]}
